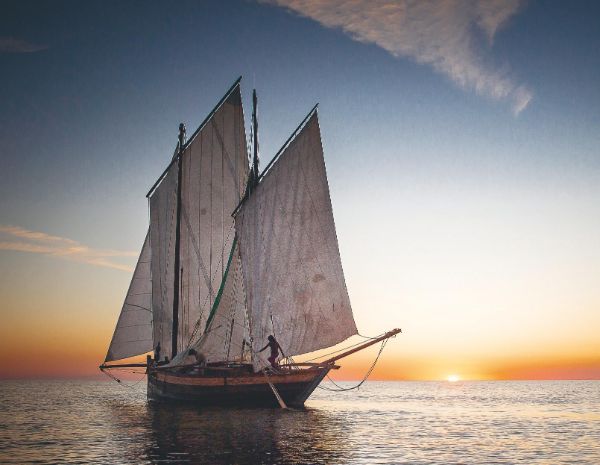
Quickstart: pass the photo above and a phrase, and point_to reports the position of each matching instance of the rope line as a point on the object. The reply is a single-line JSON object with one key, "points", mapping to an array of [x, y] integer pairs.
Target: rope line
{"points": [[130, 386], [344, 348], [368, 373]]}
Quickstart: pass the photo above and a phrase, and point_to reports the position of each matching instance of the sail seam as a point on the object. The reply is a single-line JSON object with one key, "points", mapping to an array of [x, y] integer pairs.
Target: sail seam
{"points": [[196, 249], [137, 307], [222, 144]]}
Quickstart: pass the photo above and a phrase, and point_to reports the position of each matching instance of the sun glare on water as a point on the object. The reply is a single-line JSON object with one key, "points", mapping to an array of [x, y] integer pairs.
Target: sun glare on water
{"points": [[453, 378]]}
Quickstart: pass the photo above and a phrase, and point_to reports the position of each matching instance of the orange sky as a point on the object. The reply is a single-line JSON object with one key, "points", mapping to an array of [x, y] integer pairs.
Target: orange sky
{"points": [[58, 317], [71, 342], [62, 355]]}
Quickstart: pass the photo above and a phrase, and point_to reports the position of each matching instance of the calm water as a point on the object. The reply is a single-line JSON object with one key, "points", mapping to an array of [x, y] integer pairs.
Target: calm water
{"points": [[383, 423]]}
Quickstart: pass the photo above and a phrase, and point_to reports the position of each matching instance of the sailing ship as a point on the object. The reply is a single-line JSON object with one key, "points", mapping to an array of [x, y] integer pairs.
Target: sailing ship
{"points": [[231, 257]]}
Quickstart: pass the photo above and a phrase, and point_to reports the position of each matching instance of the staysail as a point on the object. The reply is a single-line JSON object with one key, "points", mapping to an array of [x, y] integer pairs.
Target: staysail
{"points": [[293, 275], [133, 333], [226, 336], [214, 167]]}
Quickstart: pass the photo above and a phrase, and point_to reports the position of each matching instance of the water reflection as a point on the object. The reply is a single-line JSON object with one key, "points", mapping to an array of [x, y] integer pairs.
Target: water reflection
{"points": [[542, 423], [187, 434]]}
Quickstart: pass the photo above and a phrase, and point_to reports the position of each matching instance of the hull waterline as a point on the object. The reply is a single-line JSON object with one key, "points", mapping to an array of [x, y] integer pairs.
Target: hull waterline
{"points": [[244, 390]]}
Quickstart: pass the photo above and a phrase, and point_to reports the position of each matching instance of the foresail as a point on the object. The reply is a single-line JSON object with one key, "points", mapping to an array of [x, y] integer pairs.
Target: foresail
{"points": [[133, 333], [293, 275]]}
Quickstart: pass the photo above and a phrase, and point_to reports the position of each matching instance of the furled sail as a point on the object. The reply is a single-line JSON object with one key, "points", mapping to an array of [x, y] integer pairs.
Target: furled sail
{"points": [[133, 333], [293, 276], [214, 168]]}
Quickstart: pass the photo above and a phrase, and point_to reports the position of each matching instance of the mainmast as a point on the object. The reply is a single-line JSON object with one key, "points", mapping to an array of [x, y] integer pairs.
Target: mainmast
{"points": [[177, 274], [255, 134]]}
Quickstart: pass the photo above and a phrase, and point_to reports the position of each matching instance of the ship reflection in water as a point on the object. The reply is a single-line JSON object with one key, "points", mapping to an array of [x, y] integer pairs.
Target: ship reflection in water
{"points": [[417, 423], [245, 436]]}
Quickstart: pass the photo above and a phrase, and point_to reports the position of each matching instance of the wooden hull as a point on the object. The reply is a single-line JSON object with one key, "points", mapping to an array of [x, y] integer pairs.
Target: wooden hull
{"points": [[247, 389]]}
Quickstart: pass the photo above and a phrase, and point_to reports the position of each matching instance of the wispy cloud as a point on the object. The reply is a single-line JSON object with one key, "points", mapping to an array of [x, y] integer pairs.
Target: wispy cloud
{"points": [[455, 37], [24, 240], [12, 45]]}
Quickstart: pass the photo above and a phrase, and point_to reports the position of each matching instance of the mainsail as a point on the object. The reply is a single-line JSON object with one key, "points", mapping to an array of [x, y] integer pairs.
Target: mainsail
{"points": [[163, 220], [133, 333], [214, 170], [293, 275]]}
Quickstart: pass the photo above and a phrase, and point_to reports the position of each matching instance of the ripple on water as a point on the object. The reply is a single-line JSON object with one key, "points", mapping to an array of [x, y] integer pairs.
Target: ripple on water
{"points": [[383, 423]]}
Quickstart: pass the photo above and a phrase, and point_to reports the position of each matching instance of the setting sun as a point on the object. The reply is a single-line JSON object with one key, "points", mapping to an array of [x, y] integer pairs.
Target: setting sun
{"points": [[453, 378]]}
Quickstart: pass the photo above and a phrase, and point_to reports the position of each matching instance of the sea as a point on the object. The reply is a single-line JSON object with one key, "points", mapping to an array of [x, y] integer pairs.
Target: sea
{"points": [[496, 422]]}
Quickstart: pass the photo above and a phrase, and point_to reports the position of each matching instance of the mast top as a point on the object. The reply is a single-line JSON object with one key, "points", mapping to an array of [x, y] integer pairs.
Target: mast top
{"points": [[181, 136], [255, 137], [276, 157]]}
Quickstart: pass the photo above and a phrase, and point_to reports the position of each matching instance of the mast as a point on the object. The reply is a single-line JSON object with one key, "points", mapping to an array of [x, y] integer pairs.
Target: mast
{"points": [[176, 275], [255, 132]]}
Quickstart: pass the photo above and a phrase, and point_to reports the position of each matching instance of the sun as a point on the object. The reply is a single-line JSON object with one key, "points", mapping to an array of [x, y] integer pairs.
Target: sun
{"points": [[453, 378]]}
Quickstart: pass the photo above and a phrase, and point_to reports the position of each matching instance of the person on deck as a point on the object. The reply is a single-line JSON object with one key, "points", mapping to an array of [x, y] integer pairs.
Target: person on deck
{"points": [[199, 356], [275, 348], [194, 362], [157, 353]]}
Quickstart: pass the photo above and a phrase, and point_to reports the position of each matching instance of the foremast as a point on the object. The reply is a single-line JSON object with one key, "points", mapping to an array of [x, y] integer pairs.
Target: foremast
{"points": [[177, 263]]}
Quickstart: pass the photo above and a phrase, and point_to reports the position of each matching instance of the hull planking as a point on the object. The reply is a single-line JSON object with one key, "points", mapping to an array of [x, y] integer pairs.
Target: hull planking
{"points": [[239, 389]]}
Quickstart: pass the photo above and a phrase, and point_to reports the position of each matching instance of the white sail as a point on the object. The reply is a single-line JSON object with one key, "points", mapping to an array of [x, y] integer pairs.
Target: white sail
{"points": [[163, 220], [227, 336], [133, 333], [294, 282], [214, 170]]}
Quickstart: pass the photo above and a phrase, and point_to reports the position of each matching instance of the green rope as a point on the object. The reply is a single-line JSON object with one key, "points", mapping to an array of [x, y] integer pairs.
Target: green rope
{"points": [[213, 310]]}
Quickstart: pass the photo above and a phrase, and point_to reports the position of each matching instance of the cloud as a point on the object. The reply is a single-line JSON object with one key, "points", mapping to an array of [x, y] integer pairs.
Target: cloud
{"points": [[61, 247], [12, 45], [452, 36], [17, 231]]}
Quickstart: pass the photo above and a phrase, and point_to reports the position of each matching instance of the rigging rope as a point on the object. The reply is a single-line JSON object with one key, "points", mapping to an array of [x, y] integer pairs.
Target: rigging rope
{"points": [[343, 348], [368, 373], [130, 386], [207, 299]]}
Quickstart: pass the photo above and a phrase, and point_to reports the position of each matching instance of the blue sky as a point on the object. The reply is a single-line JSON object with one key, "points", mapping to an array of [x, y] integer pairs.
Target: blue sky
{"points": [[435, 182]]}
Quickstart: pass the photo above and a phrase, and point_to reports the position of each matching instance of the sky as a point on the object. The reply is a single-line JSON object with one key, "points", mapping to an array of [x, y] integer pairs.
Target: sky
{"points": [[462, 143]]}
